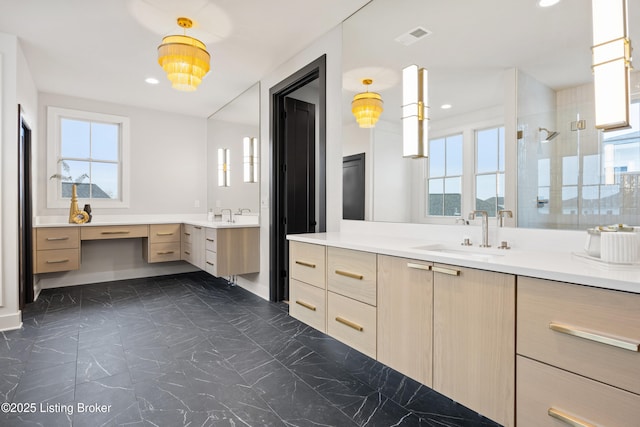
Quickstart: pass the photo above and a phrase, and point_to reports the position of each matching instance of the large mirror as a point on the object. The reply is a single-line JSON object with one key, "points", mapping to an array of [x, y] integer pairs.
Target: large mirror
{"points": [[510, 89], [227, 158]]}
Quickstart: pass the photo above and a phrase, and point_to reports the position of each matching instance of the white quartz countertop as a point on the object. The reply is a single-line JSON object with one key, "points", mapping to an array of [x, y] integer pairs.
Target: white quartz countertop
{"points": [[240, 221], [559, 266]]}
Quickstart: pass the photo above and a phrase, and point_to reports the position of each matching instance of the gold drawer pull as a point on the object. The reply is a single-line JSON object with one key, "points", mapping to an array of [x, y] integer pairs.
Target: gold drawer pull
{"points": [[116, 232], [419, 266], [198, 228], [165, 252], [349, 274], [306, 305], [449, 271], [187, 252], [187, 234], [306, 264], [53, 239], [349, 323], [591, 336], [164, 234], [568, 419], [210, 263], [210, 240], [58, 261]]}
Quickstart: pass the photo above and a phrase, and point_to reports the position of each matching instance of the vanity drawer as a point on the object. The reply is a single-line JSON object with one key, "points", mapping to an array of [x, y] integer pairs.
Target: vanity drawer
{"points": [[352, 322], [163, 252], [211, 263], [57, 260], [211, 239], [546, 394], [186, 252], [188, 233], [113, 232], [352, 274], [307, 263], [308, 304], [589, 331], [163, 233], [57, 238]]}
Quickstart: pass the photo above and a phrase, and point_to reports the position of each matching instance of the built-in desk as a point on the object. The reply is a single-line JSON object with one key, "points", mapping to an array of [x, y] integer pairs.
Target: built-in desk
{"points": [[57, 245]]}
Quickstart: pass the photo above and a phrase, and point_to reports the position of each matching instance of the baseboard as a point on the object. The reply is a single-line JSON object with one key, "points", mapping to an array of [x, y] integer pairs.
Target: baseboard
{"points": [[12, 321]]}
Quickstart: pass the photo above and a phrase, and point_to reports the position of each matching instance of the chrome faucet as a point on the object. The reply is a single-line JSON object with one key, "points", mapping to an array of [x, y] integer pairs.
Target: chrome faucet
{"points": [[485, 227], [502, 214], [230, 214]]}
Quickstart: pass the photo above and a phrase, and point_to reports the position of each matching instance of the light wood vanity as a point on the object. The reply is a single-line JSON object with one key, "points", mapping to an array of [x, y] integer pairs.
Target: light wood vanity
{"points": [[576, 359]]}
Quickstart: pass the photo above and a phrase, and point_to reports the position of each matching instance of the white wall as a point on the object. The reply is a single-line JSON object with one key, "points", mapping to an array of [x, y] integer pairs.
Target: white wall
{"points": [[168, 176], [16, 87]]}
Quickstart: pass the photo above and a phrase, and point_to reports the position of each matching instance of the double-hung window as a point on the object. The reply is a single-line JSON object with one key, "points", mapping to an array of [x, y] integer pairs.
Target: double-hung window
{"points": [[445, 176], [89, 150], [490, 170]]}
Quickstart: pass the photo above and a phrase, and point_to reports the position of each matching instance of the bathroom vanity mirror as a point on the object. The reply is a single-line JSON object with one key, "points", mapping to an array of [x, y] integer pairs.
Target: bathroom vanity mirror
{"points": [[227, 133], [510, 83]]}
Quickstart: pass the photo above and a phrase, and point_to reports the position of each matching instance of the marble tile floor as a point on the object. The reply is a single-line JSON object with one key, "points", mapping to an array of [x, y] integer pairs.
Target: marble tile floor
{"points": [[191, 350]]}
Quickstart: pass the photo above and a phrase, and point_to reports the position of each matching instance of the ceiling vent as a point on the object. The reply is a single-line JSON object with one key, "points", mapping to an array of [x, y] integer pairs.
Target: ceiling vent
{"points": [[412, 36]]}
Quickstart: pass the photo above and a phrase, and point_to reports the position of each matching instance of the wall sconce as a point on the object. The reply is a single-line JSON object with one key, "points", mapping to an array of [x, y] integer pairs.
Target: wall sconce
{"points": [[250, 154], [415, 112], [611, 63], [224, 173], [367, 107]]}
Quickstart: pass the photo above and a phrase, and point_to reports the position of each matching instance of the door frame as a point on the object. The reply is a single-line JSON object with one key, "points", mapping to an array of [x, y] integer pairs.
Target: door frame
{"points": [[25, 212], [277, 93]]}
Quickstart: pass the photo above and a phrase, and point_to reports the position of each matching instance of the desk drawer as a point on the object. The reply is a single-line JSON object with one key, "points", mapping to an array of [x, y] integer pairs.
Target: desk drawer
{"points": [[352, 322], [211, 239], [164, 252], [307, 263], [113, 232], [57, 238], [352, 274], [308, 304], [589, 331], [57, 260], [546, 394], [164, 233]]}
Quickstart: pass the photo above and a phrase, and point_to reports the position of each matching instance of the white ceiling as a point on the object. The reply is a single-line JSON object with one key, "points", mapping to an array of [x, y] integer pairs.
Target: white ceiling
{"points": [[105, 49]]}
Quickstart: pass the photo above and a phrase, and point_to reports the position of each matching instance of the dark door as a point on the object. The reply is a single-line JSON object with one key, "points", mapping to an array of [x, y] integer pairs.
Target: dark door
{"points": [[300, 166], [353, 187], [25, 267]]}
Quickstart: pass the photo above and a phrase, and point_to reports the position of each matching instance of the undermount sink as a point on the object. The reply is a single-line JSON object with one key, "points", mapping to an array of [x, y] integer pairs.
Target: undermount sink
{"points": [[472, 252]]}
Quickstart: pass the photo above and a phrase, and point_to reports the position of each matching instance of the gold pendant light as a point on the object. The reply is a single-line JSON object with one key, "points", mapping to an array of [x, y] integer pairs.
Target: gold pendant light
{"points": [[367, 107], [184, 59]]}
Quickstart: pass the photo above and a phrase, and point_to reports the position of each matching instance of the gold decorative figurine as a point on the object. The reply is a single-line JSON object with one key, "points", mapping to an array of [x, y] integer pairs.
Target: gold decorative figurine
{"points": [[76, 216]]}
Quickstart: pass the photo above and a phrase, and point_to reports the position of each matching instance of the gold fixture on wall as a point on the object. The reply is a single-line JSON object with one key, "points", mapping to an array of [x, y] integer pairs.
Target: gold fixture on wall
{"points": [[184, 59], [224, 171], [415, 112], [367, 107], [611, 63], [250, 154]]}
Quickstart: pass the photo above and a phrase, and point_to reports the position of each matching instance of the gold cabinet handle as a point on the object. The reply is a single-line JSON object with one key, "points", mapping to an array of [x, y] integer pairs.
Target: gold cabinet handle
{"points": [[165, 252], [419, 266], [187, 234], [164, 234], [306, 264], [349, 274], [53, 239], [210, 240], [115, 232], [449, 271], [568, 419], [596, 337], [58, 261], [187, 252], [197, 228], [210, 263], [306, 305], [349, 323]]}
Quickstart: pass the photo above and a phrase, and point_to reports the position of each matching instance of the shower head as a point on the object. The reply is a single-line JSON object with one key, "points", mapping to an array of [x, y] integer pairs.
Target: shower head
{"points": [[550, 134]]}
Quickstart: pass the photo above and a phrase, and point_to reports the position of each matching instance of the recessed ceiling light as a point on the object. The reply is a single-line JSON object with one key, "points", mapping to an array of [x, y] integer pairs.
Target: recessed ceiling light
{"points": [[445, 106], [547, 3], [152, 80]]}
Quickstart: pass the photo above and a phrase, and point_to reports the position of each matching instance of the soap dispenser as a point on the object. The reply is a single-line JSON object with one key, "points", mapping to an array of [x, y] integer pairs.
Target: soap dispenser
{"points": [[210, 215]]}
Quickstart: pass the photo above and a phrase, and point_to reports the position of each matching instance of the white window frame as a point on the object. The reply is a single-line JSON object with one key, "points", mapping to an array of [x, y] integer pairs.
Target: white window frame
{"points": [[54, 141], [496, 172]]}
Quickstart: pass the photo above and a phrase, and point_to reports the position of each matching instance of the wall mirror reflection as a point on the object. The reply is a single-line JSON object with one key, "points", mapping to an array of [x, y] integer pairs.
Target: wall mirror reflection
{"points": [[511, 114], [227, 132]]}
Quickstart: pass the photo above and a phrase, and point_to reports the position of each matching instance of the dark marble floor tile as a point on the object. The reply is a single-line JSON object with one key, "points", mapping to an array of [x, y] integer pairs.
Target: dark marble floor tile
{"points": [[56, 411], [14, 351], [9, 379], [46, 384], [101, 361], [150, 363], [53, 351], [107, 401], [99, 335], [172, 392]]}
